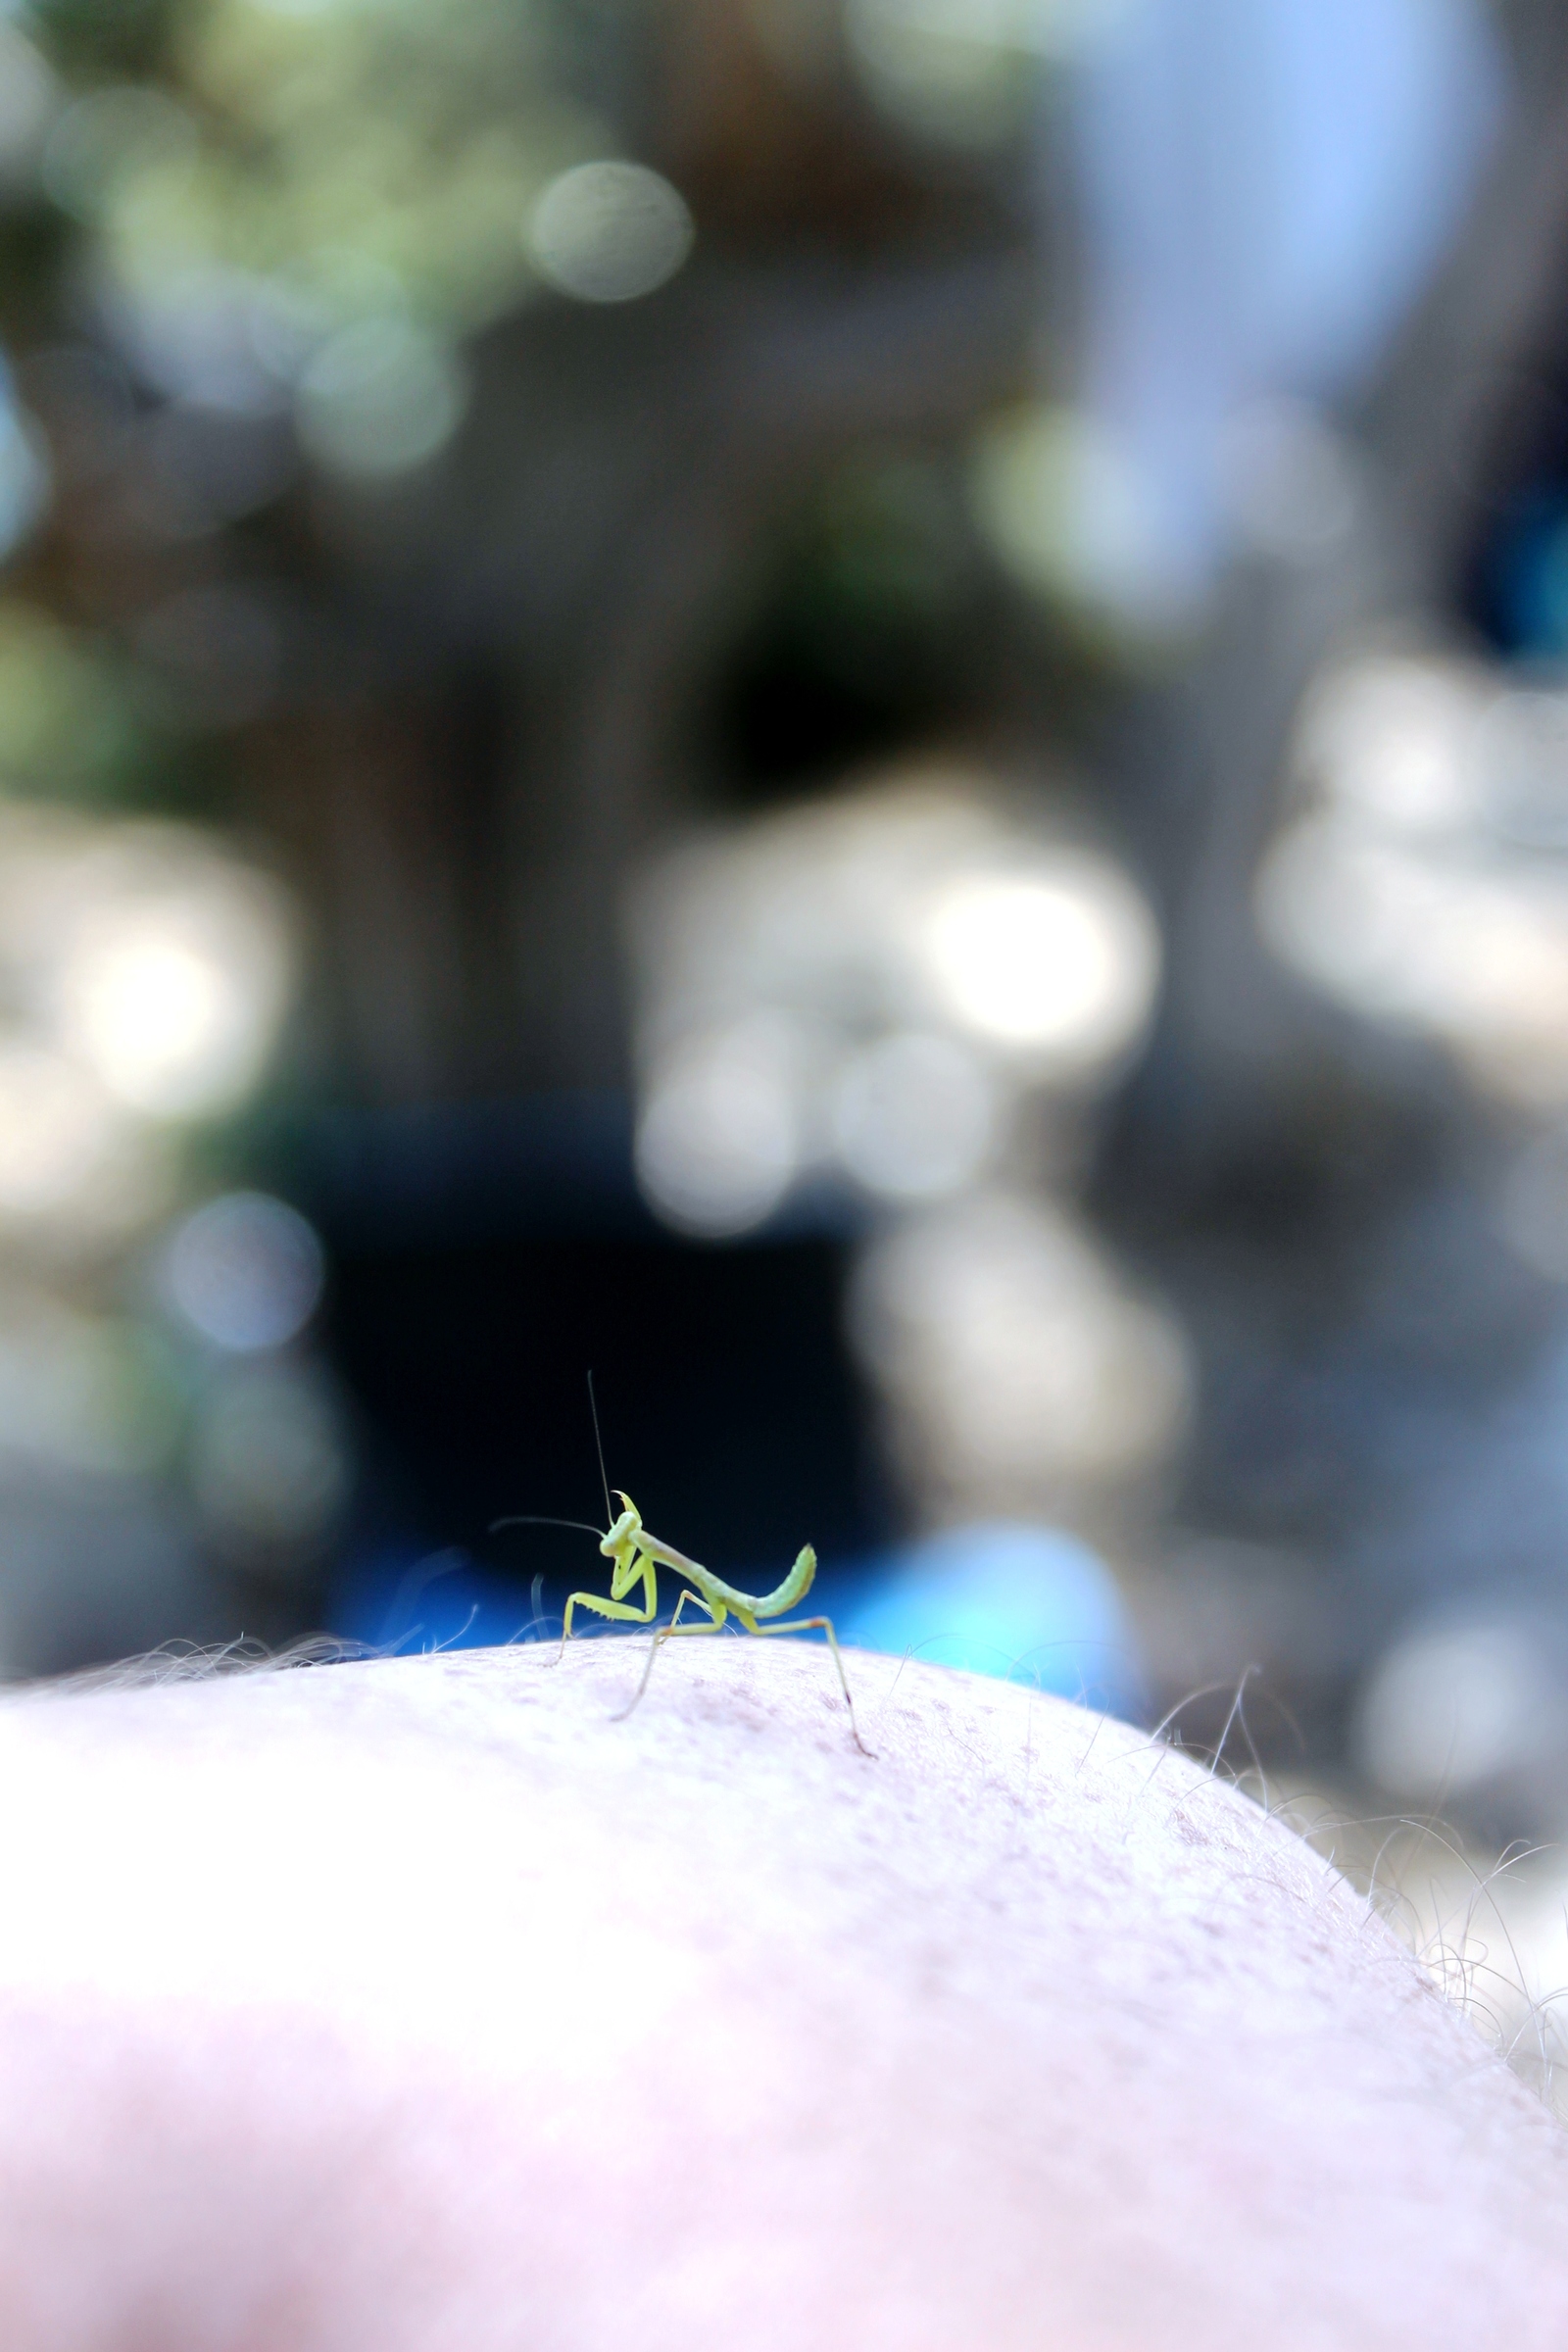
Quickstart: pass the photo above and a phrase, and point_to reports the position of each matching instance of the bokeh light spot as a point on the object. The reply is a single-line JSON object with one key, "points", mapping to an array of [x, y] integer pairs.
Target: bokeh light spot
{"points": [[913, 1116], [1062, 964], [245, 1271], [718, 1142], [610, 231], [379, 398], [172, 996], [1452, 1706]]}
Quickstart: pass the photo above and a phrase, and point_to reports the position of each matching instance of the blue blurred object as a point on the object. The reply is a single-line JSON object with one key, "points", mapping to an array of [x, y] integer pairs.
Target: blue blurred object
{"points": [[439, 1600], [1525, 591], [1005, 1598], [23, 472]]}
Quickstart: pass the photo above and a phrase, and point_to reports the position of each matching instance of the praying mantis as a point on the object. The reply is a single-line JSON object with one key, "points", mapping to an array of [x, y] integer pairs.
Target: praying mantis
{"points": [[638, 1555]]}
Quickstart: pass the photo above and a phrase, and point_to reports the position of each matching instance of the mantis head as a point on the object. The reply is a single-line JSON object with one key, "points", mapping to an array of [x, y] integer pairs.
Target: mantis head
{"points": [[627, 1528]]}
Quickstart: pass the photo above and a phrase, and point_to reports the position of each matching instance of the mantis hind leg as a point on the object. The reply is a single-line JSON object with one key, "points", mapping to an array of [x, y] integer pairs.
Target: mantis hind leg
{"points": [[806, 1625], [716, 1610]]}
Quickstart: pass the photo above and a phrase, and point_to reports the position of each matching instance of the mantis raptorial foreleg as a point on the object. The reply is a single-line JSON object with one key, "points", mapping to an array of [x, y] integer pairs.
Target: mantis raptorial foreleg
{"points": [[615, 1606]]}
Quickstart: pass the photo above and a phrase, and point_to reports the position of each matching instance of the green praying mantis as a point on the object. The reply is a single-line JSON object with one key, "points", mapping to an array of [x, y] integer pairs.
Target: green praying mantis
{"points": [[638, 1555]]}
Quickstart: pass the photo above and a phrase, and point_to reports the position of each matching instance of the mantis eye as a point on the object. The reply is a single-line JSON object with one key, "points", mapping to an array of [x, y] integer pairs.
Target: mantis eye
{"points": [[625, 1527]]}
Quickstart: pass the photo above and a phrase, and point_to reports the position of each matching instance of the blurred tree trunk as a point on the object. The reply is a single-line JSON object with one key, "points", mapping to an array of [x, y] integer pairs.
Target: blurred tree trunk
{"points": [[465, 846]]}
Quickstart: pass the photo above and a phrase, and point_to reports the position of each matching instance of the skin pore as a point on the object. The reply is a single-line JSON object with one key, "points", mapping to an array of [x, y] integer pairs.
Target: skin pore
{"points": [[418, 2006]]}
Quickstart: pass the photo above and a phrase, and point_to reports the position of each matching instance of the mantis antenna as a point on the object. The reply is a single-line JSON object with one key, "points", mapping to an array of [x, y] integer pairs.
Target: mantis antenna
{"points": [[530, 1519], [578, 1526], [603, 1473]]}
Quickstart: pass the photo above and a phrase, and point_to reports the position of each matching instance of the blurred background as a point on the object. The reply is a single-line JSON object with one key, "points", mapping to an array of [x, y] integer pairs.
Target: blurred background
{"points": [[856, 709]]}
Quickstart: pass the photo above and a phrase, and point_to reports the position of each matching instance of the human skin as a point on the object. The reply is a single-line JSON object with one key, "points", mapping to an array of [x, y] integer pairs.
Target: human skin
{"points": [[424, 2007]]}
